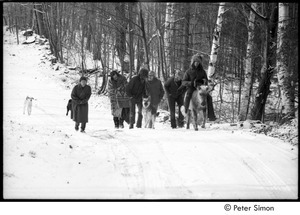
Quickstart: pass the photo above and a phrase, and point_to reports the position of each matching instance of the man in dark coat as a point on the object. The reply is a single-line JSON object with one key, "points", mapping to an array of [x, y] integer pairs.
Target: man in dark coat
{"points": [[175, 95], [80, 95], [196, 74], [155, 89], [136, 90]]}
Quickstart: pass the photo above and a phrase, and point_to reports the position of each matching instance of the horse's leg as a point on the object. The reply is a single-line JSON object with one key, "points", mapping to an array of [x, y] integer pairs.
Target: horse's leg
{"points": [[195, 119], [204, 118], [188, 119]]}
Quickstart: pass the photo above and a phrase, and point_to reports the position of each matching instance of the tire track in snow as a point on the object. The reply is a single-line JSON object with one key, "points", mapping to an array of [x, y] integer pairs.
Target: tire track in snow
{"points": [[127, 163], [173, 178], [161, 177], [265, 176]]}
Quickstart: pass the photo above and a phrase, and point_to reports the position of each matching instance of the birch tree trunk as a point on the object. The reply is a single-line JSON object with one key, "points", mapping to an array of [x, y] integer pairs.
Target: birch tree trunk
{"points": [[130, 32], [186, 57], [121, 33], [216, 43], [284, 78], [161, 60], [248, 67], [146, 54], [169, 32]]}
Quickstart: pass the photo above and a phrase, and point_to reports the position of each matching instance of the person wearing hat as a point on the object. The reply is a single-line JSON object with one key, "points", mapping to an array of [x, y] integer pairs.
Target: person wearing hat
{"points": [[155, 89], [136, 90], [80, 95], [196, 74], [175, 96], [118, 98]]}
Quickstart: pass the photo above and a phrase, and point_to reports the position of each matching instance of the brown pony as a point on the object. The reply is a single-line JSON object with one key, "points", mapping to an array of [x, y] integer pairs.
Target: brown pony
{"points": [[198, 105]]}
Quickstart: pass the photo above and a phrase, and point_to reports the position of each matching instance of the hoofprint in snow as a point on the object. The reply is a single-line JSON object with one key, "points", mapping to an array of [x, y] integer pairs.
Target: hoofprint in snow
{"points": [[44, 157]]}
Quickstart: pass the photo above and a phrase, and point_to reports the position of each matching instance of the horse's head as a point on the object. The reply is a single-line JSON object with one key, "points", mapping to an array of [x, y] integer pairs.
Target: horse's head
{"points": [[203, 87]]}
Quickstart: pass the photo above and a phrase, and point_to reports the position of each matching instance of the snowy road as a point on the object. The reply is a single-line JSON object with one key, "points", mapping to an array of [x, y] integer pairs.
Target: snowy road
{"points": [[44, 157]]}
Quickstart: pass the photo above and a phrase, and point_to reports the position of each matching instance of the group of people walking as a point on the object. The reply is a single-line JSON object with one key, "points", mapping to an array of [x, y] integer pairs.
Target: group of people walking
{"points": [[125, 96]]}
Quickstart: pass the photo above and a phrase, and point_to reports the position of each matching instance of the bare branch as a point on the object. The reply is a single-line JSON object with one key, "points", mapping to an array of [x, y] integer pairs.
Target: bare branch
{"points": [[25, 5], [199, 51], [258, 14], [150, 40]]}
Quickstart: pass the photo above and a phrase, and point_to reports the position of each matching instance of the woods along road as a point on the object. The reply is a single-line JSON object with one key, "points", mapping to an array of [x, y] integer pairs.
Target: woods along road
{"points": [[44, 157]]}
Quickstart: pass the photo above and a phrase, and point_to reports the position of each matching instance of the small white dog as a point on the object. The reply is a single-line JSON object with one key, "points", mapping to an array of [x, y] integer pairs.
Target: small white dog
{"points": [[28, 105]]}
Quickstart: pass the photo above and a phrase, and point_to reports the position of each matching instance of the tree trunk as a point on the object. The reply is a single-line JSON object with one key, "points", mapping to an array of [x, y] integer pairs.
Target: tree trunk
{"points": [[146, 54], [168, 36], [216, 42], [248, 67], [257, 112], [131, 48], [160, 45], [284, 78], [40, 13], [186, 57], [17, 23], [121, 33]]}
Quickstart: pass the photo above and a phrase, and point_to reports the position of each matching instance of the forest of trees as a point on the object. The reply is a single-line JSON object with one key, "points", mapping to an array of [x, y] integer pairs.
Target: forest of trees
{"points": [[249, 49]]}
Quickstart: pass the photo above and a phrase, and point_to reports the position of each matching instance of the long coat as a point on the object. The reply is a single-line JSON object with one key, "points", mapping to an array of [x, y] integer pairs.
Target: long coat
{"points": [[117, 95], [155, 90], [80, 96]]}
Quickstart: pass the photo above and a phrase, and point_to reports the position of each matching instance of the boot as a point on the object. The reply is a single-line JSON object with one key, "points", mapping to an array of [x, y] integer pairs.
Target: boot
{"points": [[76, 126], [83, 124], [116, 121], [131, 126]]}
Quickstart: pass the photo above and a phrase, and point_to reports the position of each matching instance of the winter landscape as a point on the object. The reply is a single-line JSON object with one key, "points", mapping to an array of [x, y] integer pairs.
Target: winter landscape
{"points": [[248, 149], [45, 158]]}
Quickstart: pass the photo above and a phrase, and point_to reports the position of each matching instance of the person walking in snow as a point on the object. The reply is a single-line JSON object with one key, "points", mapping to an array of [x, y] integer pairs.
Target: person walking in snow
{"points": [[136, 90], [196, 74], [175, 96], [80, 95], [118, 98]]}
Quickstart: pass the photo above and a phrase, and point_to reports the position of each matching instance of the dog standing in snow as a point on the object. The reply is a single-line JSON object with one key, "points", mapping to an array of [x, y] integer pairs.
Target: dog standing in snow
{"points": [[69, 107], [28, 105], [148, 112]]}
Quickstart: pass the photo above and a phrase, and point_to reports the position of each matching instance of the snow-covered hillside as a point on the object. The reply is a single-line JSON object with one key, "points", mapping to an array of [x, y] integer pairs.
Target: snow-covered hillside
{"points": [[44, 157]]}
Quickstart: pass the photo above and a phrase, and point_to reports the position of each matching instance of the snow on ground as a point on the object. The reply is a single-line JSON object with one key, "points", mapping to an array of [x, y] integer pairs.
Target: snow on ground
{"points": [[44, 157]]}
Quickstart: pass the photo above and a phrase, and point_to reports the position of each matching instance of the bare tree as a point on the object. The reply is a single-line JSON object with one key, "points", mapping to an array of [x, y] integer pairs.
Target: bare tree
{"points": [[248, 67], [120, 33], [144, 39], [284, 78], [270, 21], [216, 42], [131, 7], [168, 36], [186, 46]]}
